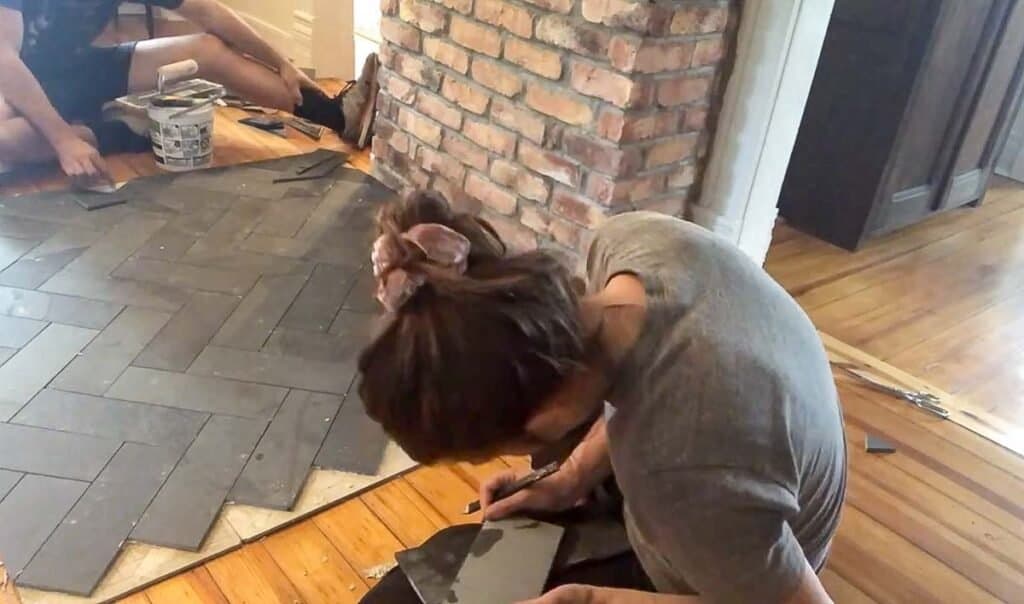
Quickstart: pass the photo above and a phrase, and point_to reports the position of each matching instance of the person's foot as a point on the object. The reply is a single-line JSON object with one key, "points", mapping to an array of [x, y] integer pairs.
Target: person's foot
{"points": [[359, 104]]}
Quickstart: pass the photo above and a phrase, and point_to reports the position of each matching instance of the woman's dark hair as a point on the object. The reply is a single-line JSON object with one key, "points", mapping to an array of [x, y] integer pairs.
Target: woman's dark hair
{"points": [[460, 368]]}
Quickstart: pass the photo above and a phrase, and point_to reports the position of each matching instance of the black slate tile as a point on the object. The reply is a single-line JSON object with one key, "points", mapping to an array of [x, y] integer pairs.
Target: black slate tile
{"points": [[232, 227], [187, 276], [112, 419], [116, 291], [7, 481], [75, 558], [363, 295], [250, 182], [356, 326], [188, 332], [198, 393], [284, 218], [293, 163], [16, 332], [322, 296], [167, 244], [29, 514], [60, 206], [278, 468], [32, 368], [56, 308], [355, 443], [312, 346], [263, 368], [117, 245], [188, 503], [107, 356], [250, 325], [343, 247], [63, 454]]}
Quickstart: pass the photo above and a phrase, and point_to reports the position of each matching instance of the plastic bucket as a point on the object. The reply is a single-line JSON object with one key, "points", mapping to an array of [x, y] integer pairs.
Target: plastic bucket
{"points": [[184, 142]]}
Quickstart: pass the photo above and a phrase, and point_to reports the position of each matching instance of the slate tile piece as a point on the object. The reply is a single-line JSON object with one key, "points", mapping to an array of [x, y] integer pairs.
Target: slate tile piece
{"points": [[29, 514], [7, 481], [98, 201], [56, 308], [188, 503], [117, 291], [312, 346], [362, 297], [12, 249], [63, 454], [188, 332], [75, 558], [281, 462], [321, 298], [16, 332], [355, 442], [32, 368], [258, 313], [6, 353], [49, 258], [112, 419], [185, 276], [198, 393], [289, 372]]}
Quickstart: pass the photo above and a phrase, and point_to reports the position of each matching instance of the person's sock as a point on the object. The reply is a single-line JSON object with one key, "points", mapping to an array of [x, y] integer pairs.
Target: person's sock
{"points": [[116, 137], [322, 109]]}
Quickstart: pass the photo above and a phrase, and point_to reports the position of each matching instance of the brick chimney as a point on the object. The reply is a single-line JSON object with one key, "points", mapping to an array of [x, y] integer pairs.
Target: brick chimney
{"points": [[546, 116]]}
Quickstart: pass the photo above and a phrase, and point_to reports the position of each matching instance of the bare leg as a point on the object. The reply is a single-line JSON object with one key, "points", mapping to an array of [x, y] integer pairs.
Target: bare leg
{"points": [[20, 142], [217, 62]]}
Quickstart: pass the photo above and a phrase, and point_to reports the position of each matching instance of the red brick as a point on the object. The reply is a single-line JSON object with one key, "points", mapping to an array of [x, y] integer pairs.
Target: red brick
{"points": [[567, 233], [517, 237], [620, 90], [505, 15], [399, 33], [490, 194], [559, 6], [386, 131], [683, 90], [401, 90], [573, 35], [569, 108], [699, 20], [672, 150], [532, 186], [463, 6], [496, 76], [427, 17], [401, 165], [417, 70], [672, 204], [533, 57], [696, 119], [456, 196], [496, 139], [420, 127], [521, 120], [611, 192], [709, 52], [637, 15], [603, 157], [441, 163], [549, 164], [617, 126], [435, 107], [577, 208], [474, 36], [641, 55], [504, 172], [684, 177], [465, 95], [389, 7], [446, 54], [465, 151], [535, 217]]}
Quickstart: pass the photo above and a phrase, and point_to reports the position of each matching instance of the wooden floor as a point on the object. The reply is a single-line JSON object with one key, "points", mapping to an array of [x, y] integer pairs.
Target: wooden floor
{"points": [[941, 520]]}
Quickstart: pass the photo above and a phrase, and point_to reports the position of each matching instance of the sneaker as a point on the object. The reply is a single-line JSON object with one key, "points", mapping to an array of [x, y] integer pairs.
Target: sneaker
{"points": [[359, 104]]}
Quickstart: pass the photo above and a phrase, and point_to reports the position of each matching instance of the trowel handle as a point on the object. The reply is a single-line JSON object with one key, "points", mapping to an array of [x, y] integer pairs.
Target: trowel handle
{"points": [[174, 72]]}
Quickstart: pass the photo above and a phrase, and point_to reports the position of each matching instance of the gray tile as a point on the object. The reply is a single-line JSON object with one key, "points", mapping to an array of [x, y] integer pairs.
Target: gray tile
{"points": [[336, 208], [343, 247], [355, 325], [286, 247], [6, 353], [320, 299], [250, 182], [293, 163], [289, 372], [63, 454], [61, 207], [168, 244], [285, 217], [16, 332], [75, 558], [111, 419], [232, 227], [56, 308], [198, 393], [312, 346], [188, 503], [189, 200], [29, 514], [185, 336], [278, 467], [12, 249], [32, 368], [363, 295], [116, 246], [7, 481], [114, 348], [355, 442], [48, 258], [186, 276], [247, 260], [117, 291], [251, 323], [27, 228]]}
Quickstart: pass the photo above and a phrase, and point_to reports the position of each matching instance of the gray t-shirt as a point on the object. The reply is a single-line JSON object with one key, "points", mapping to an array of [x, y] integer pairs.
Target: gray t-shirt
{"points": [[726, 435]]}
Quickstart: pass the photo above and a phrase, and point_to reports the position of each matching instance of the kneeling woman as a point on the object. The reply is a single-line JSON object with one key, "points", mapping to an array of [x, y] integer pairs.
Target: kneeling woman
{"points": [[722, 423]]}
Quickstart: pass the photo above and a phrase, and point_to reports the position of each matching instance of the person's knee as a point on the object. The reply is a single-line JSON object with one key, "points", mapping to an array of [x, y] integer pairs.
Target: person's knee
{"points": [[209, 52], [6, 111]]}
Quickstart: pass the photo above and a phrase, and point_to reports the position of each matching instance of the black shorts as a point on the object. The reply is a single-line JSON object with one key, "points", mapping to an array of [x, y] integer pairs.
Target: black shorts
{"points": [[80, 85]]}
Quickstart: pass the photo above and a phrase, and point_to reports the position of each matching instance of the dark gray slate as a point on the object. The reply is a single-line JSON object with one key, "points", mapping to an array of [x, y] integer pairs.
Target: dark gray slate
{"points": [[6, 353], [112, 419], [285, 217], [29, 514], [263, 368], [363, 296], [118, 291], [251, 323], [39, 451], [32, 368], [27, 228], [312, 346], [7, 481], [355, 442], [33, 270], [320, 299], [187, 276], [75, 558], [188, 504], [198, 393], [56, 308], [16, 332], [188, 332], [12, 249], [278, 467]]}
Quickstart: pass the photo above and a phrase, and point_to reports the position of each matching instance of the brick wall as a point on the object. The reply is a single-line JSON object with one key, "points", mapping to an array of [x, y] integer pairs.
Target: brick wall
{"points": [[546, 116]]}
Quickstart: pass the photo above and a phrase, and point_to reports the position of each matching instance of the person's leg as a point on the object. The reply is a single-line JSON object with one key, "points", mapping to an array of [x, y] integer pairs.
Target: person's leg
{"points": [[20, 142]]}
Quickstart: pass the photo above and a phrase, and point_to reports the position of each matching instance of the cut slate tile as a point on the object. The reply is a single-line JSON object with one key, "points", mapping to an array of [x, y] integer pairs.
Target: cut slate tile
{"points": [[431, 568], [75, 558], [321, 298], [250, 182], [243, 260], [29, 514], [289, 372], [6, 353], [293, 163], [27, 228], [60, 206], [30, 273], [16, 332], [251, 323], [232, 227], [117, 291], [355, 442], [284, 218], [12, 249], [342, 247], [286, 247], [107, 356], [509, 561], [7, 481], [186, 276], [198, 393], [278, 468], [188, 332], [112, 419], [363, 295], [188, 503], [97, 201], [168, 244], [32, 368], [56, 308], [116, 246], [63, 454], [355, 326], [312, 346]]}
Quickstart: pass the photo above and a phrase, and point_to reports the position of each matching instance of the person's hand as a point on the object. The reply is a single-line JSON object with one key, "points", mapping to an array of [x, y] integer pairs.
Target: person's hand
{"points": [[567, 594], [556, 493], [81, 161], [295, 80]]}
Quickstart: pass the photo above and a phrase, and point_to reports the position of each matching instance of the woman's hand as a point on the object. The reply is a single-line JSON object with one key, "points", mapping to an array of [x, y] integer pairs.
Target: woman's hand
{"points": [[295, 80], [558, 492]]}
